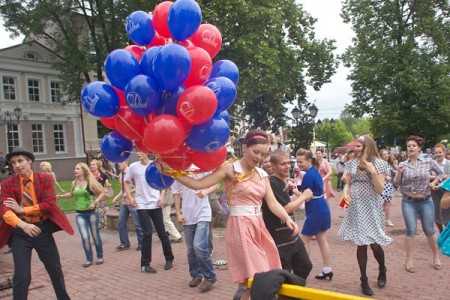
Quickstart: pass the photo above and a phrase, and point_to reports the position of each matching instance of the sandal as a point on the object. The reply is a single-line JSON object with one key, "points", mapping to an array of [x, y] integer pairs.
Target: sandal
{"points": [[87, 264], [100, 261], [410, 269]]}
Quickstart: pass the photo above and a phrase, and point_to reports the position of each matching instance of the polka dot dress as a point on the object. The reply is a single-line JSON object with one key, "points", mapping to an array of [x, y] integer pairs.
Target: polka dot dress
{"points": [[364, 221], [388, 187]]}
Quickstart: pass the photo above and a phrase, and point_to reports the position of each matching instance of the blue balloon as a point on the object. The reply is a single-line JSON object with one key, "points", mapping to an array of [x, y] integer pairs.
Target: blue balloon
{"points": [[170, 100], [147, 60], [100, 99], [120, 67], [171, 67], [224, 115], [140, 28], [157, 180], [142, 96], [115, 147], [185, 17], [225, 68], [209, 136], [225, 91]]}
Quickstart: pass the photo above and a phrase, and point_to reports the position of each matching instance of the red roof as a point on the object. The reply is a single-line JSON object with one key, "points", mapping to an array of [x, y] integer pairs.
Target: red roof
{"points": [[351, 144]]}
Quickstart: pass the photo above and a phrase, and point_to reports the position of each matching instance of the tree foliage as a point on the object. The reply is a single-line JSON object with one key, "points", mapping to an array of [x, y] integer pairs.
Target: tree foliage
{"points": [[272, 43], [400, 66]]}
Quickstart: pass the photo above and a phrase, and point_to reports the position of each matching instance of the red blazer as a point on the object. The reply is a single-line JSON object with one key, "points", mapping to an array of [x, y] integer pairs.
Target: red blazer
{"points": [[46, 197]]}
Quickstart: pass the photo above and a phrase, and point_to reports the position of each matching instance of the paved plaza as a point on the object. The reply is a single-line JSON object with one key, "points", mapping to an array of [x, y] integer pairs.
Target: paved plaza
{"points": [[120, 276]]}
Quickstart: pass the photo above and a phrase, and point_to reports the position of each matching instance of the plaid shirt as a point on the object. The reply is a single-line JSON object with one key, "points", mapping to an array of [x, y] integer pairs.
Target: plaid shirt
{"points": [[417, 178], [46, 197]]}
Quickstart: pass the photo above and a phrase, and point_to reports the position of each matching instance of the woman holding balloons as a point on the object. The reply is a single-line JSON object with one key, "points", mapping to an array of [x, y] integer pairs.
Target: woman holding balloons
{"points": [[250, 248]]}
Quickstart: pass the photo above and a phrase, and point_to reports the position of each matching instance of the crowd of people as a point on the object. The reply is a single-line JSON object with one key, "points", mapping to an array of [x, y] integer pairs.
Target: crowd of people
{"points": [[261, 233]]}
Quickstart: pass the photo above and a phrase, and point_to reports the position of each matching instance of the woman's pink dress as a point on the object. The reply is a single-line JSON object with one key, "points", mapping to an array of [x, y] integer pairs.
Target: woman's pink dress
{"points": [[327, 187], [250, 247]]}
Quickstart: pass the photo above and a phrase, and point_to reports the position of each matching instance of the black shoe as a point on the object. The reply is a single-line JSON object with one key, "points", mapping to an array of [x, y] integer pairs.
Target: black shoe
{"points": [[382, 277], [168, 265], [148, 269], [366, 290], [323, 275], [122, 247], [138, 248]]}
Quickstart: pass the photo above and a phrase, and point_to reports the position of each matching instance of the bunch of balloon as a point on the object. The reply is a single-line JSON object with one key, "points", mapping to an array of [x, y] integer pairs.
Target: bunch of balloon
{"points": [[164, 92]]}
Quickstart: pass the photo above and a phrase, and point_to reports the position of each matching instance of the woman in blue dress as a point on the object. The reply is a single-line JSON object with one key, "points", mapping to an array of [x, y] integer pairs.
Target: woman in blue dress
{"points": [[318, 217]]}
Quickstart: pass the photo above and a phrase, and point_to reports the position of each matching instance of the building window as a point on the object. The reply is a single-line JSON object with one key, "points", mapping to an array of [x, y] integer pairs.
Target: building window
{"points": [[13, 137], [58, 137], [9, 88], [37, 138], [33, 90], [55, 91], [32, 56]]}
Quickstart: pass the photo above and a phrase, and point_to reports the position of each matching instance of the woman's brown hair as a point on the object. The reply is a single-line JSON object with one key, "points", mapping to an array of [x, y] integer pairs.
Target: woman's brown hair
{"points": [[308, 155], [369, 151], [256, 137]]}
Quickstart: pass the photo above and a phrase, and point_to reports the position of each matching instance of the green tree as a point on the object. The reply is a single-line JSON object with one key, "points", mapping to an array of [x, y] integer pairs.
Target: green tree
{"points": [[272, 43], [336, 135], [400, 66]]}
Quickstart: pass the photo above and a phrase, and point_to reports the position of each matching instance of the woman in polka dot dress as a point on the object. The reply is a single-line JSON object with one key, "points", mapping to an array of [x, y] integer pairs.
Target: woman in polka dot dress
{"points": [[388, 190], [364, 221]]}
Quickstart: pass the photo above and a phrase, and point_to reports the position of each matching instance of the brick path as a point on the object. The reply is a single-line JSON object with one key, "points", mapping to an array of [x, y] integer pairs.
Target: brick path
{"points": [[120, 278]]}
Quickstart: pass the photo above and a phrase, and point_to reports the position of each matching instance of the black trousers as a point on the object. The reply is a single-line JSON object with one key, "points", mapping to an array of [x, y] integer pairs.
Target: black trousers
{"points": [[295, 258], [340, 184], [45, 246], [146, 217]]}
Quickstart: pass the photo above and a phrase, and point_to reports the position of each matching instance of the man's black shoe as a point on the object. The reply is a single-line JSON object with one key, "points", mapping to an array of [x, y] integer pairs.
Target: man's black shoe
{"points": [[168, 265], [148, 269]]}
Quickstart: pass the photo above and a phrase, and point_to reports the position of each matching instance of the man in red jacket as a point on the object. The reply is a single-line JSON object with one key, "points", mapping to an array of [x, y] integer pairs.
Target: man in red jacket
{"points": [[30, 216]]}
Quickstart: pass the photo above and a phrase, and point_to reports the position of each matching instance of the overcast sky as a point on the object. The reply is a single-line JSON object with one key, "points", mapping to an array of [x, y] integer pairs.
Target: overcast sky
{"points": [[333, 96]]}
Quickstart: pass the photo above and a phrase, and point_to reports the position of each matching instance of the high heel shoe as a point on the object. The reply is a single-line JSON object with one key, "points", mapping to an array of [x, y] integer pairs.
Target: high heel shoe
{"points": [[382, 277], [323, 275], [366, 290]]}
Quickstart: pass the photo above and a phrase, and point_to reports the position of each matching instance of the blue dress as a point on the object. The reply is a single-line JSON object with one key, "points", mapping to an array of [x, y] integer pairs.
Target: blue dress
{"points": [[318, 216], [443, 240]]}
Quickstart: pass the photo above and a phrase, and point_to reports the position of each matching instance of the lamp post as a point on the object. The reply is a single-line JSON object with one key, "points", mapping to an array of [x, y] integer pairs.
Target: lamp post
{"points": [[313, 111], [296, 114], [7, 119], [319, 125]]}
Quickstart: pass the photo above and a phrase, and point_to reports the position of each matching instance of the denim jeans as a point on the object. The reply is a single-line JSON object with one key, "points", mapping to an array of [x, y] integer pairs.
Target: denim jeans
{"points": [[45, 246], [425, 211], [199, 256], [146, 217], [87, 221], [124, 212]]}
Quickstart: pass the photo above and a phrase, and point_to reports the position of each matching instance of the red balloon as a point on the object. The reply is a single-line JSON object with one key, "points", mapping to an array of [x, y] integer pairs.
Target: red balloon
{"points": [[164, 133], [121, 95], [209, 38], [109, 122], [142, 147], [130, 124], [179, 159], [201, 67], [186, 44], [209, 160], [197, 104], [160, 14], [158, 41], [136, 50]]}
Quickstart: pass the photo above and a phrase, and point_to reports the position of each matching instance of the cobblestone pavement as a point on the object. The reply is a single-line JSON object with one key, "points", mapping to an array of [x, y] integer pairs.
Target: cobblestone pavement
{"points": [[120, 277]]}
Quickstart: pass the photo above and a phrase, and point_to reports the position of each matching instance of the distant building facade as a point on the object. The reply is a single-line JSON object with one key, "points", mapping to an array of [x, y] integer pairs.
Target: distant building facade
{"points": [[49, 126]]}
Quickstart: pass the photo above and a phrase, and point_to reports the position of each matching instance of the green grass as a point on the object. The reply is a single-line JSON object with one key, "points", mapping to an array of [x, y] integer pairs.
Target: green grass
{"points": [[68, 205]]}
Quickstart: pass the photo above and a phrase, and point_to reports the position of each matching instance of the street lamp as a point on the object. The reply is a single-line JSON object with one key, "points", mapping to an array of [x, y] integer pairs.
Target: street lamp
{"points": [[6, 119], [296, 114], [319, 125], [313, 110]]}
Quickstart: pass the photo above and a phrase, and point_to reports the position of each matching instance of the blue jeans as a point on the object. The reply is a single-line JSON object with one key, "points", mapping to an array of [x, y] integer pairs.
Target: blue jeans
{"points": [[425, 211], [45, 246], [146, 217], [199, 256], [87, 221], [124, 212]]}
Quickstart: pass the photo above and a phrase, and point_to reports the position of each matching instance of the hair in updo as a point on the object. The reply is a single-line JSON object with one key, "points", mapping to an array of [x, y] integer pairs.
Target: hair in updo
{"points": [[256, 137], [308, 156], [416, 139]]}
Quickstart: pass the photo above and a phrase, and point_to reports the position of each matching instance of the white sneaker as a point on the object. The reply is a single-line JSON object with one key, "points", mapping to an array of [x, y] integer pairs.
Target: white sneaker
{"points": [[388, 223]]}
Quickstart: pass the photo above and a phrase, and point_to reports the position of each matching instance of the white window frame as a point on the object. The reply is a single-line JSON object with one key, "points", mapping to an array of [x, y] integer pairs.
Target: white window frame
{"points": [[12, 131], [56, 139], [14, 85], [38, 138], [55, 93], [34, 87]]}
